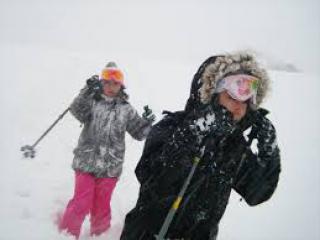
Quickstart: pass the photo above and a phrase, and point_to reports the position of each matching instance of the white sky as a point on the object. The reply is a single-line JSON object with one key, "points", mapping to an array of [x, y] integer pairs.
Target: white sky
{"points": [[286, 30]]}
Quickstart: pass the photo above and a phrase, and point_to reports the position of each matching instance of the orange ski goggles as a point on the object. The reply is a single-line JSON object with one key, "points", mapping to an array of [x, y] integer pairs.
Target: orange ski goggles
{"points": [[112, 74]]}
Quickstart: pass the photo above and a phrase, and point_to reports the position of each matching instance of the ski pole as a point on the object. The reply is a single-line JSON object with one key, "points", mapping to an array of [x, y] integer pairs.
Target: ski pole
{"points": [[176, 204], [29, 151]]}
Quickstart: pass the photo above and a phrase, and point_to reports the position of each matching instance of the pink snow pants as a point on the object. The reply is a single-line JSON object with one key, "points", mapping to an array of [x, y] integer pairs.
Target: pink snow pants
{"points": [[91, 195]]}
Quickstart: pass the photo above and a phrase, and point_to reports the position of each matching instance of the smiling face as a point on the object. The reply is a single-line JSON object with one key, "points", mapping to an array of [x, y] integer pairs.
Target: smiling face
{"points": [[237, 108], [111, 88]]}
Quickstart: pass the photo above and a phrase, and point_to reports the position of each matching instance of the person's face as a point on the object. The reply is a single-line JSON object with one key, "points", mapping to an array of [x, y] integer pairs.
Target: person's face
{"points": [[111, 88], [237, 108]]}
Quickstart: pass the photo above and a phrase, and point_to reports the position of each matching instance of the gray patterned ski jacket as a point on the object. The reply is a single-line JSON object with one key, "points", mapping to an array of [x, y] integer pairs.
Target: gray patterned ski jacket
{"points": [[101, 146]]}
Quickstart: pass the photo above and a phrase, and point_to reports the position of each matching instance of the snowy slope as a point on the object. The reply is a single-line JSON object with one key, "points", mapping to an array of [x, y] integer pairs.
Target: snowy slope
{"points": [[49, 49], [35, 190]]}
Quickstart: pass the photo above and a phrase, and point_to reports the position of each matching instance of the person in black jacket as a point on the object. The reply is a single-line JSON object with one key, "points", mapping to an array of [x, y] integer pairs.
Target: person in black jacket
{"points": [[221, 119]]}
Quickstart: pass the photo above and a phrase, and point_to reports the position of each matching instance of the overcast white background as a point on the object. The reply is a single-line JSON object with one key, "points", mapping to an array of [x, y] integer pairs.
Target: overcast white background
{"points": [[49, 48]]}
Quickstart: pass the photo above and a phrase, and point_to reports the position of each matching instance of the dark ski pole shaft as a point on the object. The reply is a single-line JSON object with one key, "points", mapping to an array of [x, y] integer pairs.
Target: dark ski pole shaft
{"points": [[28, 151], [176, 204]]}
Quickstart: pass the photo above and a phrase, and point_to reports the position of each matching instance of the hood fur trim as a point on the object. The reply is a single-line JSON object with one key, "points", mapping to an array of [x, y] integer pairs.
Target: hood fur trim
{"points": [[242, 62]]}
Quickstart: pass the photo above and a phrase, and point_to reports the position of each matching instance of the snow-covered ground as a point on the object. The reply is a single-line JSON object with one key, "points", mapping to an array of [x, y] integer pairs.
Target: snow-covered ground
{"points": [[49, 48]]}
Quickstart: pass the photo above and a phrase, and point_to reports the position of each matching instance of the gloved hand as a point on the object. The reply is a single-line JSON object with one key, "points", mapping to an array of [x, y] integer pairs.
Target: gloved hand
{"points": [[183, 142], [215, 120], [266, 134], [148, 115], [94, 85]]}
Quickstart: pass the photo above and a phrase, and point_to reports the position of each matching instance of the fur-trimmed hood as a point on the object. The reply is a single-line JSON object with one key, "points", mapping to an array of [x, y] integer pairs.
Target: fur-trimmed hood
{"points": [[217, 67]]}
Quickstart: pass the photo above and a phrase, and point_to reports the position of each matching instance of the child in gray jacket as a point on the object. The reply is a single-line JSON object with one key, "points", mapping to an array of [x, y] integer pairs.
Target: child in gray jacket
{"points": [[103, 107]]}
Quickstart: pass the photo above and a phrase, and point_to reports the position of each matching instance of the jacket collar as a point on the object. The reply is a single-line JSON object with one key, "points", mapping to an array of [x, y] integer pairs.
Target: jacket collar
{"points": [[122, 97]]}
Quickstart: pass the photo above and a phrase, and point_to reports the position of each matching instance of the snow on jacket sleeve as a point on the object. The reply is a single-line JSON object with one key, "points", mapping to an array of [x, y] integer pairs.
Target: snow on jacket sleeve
{"points": [[258, 175], [137, 126], [81, 106]]}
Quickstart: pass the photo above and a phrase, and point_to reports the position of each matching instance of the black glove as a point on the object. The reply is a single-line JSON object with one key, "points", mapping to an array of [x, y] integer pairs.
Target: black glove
{"points": [[94, 85], [265, 134], [180, 149], [148, 115], [214, 120], [201, 125]]}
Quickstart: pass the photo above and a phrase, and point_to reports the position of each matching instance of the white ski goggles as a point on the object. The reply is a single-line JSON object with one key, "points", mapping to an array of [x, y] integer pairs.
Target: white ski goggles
{"points": [[241, 87]]}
